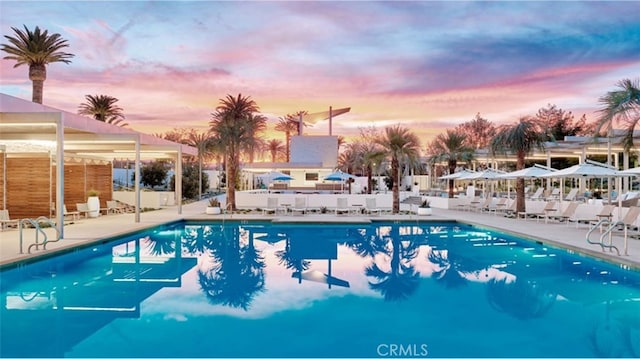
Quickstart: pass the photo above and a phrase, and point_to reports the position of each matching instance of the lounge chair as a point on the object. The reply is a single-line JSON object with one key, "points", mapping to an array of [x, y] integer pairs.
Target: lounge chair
{"points": [[500, 205], [83, 209], [600, 219], [272, 206], [299, 206], [566, 214], [548, 208], [571, 196], [537, 195], [6, 221], [628, 222], [342, 206], [74, 215], [370, 206]]}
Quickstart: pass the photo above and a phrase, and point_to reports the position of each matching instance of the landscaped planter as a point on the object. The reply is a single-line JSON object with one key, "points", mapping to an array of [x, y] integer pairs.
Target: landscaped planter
{"points": [[212, 210], [422, 211], [94, 206]]}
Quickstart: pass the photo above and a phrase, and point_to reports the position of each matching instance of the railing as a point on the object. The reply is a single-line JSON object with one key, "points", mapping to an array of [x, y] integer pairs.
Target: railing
{"points": [[607, 232], [38, 230]]}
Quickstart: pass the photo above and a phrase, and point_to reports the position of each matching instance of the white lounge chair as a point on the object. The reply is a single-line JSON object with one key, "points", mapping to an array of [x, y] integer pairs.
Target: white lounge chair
{"points": [[566, 214], [342, 206], [548, 208], [272, 206], [6, 221], [299, 206], [371, 207]]}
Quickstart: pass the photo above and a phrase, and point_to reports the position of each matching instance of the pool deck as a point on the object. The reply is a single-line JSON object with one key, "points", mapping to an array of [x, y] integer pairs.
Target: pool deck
{"points": [[91, 230]]}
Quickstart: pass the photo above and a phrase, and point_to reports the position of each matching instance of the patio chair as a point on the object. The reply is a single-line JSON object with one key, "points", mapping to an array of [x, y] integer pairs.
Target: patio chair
{"points": [[299, 206], [571, 196], [549, 207], [566, 214], [499, 206], [83, 209], [601, 218], [371, 207], [342, 206], [74, 215], [272, 206], [537, 195], [628, 222], [6, 221]]}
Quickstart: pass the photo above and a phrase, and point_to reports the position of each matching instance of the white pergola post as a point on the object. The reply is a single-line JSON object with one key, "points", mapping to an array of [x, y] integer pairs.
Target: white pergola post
{"points": [[136, 177], [60, 174]]}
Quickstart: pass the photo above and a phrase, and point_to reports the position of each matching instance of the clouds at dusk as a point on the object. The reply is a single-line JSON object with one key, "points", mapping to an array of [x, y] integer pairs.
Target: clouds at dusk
{"points": [[429, 65]]}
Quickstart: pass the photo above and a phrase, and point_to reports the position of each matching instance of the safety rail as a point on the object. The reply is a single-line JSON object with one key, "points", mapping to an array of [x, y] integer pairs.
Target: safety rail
{"points": [[35, 222], [607, 232]]}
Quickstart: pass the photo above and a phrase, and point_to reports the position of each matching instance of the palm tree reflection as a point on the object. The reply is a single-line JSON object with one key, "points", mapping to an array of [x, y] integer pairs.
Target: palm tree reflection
{"points": [[237, 274], [402, 279], [520, 298]]}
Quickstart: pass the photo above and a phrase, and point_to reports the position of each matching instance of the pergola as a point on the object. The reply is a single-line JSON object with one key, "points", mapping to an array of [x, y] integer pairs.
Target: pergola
{"points": [[30, 131]]}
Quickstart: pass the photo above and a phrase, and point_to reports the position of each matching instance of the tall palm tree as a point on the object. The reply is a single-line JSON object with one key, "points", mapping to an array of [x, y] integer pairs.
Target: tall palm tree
{"points": [[451, 147], [103, 108], [275, 147], [235, 126], [520, 138], [622, 105], [253, 142], [288, 125], [36, 49], [400, 145]]}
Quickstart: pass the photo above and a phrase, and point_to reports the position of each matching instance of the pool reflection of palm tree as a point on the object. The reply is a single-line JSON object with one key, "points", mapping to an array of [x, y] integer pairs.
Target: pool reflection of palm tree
{"points": [[290, 262], [198, 239], [520, 298], [451, 272], [161, 243], [364, 243], [237, 275], [402, 280]]}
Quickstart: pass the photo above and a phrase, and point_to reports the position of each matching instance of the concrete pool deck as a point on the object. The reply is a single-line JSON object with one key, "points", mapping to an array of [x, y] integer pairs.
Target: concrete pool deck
{"points": [[89, 230]]}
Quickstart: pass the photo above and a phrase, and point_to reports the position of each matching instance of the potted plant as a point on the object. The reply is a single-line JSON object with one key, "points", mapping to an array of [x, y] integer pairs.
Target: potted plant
{"points": [[213, 207], [425, 208], [93, 203]]}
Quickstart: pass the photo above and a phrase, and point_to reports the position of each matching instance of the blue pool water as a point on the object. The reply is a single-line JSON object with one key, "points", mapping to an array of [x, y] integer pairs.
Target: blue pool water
{"points": [[256, 289]]}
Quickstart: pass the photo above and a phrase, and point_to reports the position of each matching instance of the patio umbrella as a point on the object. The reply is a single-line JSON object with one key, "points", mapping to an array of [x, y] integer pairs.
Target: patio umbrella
{"points": [[488, 174], [589, 169], [339, 176], [457, 175], [530, 172], [274, 176]]}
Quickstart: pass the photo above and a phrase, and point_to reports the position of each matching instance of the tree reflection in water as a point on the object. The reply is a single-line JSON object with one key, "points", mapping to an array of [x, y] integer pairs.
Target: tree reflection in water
{"points": [[289, 261], [237, 274], [520, 298], [402, 279]]}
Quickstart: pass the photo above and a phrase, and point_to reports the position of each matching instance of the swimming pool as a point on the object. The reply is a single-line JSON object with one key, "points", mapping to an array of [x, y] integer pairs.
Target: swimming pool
{"points": [[260, 289]]}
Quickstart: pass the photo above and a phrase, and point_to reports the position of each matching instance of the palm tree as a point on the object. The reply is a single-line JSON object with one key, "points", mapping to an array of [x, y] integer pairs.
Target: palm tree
{"points": [[622, 105], [451, 147], [520, 138], [288, 125], [400, 145], [275, 147], [36, 49], [236, 127], [103, 108]]}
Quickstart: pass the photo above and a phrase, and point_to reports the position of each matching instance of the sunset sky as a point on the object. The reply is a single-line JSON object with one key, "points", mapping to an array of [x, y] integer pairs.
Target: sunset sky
{"points": [[427, 65]]}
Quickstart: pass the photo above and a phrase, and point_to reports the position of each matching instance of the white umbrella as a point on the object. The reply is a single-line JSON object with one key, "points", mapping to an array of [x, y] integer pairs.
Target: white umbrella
{"points": [[457, 175], [583, 170], [530, 172]]}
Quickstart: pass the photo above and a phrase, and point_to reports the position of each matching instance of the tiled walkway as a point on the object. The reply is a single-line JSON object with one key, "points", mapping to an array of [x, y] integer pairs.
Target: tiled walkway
{"points": [[96, 229]]}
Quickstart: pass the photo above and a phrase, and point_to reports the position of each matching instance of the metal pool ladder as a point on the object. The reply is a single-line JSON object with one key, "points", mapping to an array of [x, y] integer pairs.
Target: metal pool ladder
{"points": [[36, 224], [601, 241]]}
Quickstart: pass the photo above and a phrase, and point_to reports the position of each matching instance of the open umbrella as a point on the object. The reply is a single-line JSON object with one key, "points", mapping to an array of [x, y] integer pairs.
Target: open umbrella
{"points": [[338, 176], [275, 176], [530, 172], [457, 175]]}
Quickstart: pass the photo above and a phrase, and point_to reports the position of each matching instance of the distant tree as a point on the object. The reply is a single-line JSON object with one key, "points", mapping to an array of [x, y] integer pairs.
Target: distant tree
{"points": [[400, 146], [103, 108], [477, 132], [289, 125], [36, 49], [559, 123], [520, 138], [275, 148], [190, 180], [451, 147], [153, 174]]}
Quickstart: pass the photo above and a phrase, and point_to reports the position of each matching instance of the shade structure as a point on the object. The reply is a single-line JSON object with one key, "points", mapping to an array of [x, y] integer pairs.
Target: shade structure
{"points": [[583, 170], [529, 172], [630, 172], [456, 175], [338, 176], [486, 174], [275, 176]]}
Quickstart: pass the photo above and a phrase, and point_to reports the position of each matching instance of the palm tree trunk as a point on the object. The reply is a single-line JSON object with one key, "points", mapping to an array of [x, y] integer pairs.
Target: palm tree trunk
{"points": [[395, 189], [369, 179], [37, 75], [452, 169]]}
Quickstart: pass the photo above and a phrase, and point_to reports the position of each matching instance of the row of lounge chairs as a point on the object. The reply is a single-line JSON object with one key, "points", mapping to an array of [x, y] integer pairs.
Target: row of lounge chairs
{"points": [[300, 207]]}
